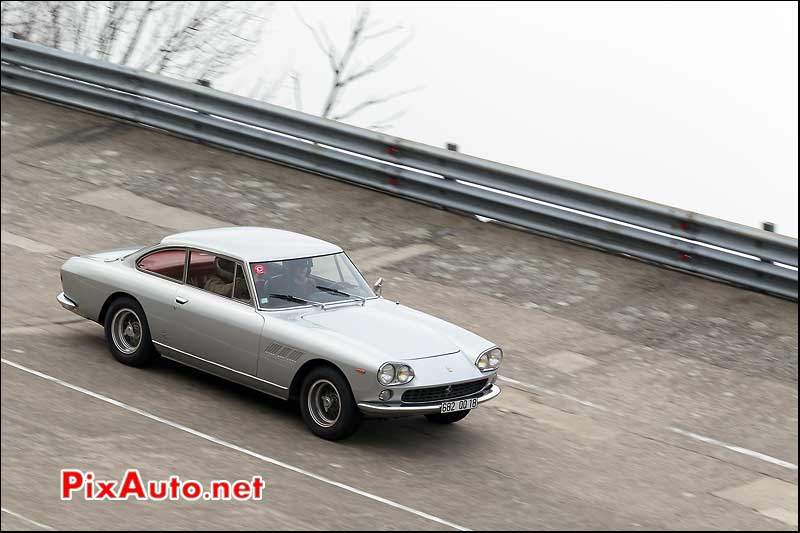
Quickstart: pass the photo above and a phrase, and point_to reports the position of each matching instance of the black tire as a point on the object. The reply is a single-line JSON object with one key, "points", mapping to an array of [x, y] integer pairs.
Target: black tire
{"points": [[447, 418], [133, 346], [327, 382]]}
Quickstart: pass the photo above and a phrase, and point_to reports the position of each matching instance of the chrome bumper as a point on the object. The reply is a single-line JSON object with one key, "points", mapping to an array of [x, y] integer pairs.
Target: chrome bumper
{"points": [[374, 409], [66, 303]]}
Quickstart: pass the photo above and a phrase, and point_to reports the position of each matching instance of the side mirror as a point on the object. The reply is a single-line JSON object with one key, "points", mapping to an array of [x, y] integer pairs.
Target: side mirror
{"points": [[378, 286]]}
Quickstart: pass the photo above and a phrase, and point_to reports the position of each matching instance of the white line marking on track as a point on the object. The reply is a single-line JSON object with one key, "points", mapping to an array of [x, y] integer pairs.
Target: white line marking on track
{"points": [[131, 205], [231, 446], [537, 388], [382, 260], [26, 244], [689, 434], [42, 327], [733, 448], [28, 520]]}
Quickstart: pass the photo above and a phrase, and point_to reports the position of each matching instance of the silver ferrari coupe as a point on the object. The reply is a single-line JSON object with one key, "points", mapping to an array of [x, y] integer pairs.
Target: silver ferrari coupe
{"points": [[286, 314]]}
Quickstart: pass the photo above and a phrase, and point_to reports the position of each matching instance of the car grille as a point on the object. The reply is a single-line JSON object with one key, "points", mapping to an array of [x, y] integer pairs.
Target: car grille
{"points": [[446, 392]]}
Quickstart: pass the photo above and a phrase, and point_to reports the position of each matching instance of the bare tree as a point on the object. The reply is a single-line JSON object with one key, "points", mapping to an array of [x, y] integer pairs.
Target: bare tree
{"points": [[205, 40], [349, 64], [149, 7], [297, 81], [190, 40], [264, 89]]}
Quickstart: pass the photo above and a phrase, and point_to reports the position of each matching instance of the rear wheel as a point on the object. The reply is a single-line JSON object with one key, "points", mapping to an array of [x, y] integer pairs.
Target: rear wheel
{"points": [[327, 404], [127, 333], [447, 418]]}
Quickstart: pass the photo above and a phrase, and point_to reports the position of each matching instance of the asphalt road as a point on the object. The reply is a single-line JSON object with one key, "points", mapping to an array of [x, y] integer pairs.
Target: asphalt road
{"points": [[634, 397]]}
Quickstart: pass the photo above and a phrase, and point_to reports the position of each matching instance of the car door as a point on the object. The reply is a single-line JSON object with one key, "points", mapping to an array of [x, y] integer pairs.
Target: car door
{"points": [[160, 273], [215, 319]]}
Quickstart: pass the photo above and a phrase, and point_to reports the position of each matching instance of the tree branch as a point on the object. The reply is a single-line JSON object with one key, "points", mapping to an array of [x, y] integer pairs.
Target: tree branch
{"points": [[345, 68], [373, 102]]}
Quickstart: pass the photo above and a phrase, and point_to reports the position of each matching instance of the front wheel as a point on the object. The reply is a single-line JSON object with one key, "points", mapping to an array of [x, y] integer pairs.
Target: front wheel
{"points": [[447, 418], [127, 333], [328, 407]]}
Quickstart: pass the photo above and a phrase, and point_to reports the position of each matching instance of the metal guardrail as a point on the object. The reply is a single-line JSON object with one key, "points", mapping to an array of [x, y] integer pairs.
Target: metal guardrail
{"points": [[668, 236]]}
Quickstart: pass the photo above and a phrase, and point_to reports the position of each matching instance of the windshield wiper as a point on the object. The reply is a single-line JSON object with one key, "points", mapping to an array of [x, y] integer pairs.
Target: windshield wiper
{"points": [[337, 291], [295, 299]]}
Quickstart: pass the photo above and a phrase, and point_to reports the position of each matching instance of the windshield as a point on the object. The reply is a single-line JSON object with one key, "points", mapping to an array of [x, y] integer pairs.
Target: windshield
{"points": [[308, 281]]}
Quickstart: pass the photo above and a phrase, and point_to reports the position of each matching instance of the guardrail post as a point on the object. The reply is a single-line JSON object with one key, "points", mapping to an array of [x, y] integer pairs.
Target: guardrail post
{"points": [[203, 83], [768, 226], [453, 147]]}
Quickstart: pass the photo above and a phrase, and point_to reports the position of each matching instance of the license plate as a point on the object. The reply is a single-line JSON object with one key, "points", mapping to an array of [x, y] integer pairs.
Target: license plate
{"points": [[459, 405]]}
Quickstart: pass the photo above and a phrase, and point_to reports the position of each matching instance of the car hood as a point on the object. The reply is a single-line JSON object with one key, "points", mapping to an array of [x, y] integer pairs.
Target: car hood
{"points": [[386, 327]]}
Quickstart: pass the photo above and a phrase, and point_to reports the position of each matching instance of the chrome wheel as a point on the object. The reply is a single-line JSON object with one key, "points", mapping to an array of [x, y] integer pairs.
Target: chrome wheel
{"points": [[324, 403], [126, 331]]}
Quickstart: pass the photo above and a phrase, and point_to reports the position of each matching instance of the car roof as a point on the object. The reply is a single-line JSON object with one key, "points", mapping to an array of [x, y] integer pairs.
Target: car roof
{"points": [[253, 244]]}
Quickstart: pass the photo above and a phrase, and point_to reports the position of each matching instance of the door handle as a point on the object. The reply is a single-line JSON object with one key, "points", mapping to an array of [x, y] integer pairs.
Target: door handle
{"points": [[181, 300]]}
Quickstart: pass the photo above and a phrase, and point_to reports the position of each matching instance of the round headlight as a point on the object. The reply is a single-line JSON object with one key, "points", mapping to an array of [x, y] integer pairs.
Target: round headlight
{"points": [[483, 362], [405, 374], [386, 374], [495, 357]]}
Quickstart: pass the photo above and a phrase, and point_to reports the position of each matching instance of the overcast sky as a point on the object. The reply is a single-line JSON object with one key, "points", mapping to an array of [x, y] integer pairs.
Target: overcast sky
{"points": [[687, 104]]}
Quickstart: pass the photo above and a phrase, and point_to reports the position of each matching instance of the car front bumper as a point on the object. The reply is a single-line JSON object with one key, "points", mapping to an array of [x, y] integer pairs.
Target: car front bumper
{"points": [[66, 303], [382, 410]]}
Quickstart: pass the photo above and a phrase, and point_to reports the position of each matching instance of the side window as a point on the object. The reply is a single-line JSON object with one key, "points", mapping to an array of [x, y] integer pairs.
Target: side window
{"points": [[240, 290], [167, 263], [217, 274], [201, 267]]}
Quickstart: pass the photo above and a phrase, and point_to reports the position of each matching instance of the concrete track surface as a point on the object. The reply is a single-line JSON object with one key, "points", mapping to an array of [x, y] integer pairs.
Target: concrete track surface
{"points": [[634, 397]]}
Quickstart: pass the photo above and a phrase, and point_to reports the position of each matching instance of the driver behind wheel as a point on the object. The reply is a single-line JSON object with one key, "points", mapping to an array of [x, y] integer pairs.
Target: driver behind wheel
{"points": [[295, 280]]}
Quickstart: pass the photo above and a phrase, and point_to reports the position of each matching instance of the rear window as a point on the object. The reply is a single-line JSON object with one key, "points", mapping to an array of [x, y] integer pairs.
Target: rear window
{"points": [[167, 263]]}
